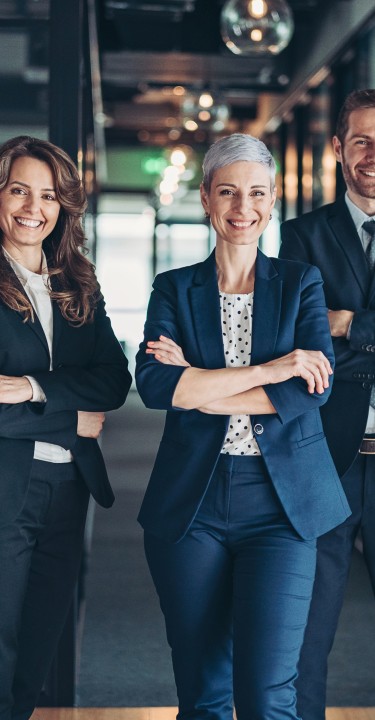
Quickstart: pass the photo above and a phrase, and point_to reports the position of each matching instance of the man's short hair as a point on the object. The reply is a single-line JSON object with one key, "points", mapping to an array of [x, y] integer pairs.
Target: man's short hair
{"points": [[356, 100]]}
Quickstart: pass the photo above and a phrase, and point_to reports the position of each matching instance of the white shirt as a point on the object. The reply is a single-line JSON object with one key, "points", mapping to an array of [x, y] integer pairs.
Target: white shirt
{"points": [[236, 322], [36, 288], [359, 217]]}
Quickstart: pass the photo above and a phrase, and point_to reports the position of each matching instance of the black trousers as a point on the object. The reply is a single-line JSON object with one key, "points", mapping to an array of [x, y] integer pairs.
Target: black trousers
{"points": [[333, 563], [40, 554]]}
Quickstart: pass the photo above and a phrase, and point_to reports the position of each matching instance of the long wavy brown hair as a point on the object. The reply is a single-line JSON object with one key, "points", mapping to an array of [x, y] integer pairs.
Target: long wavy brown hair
{"points": [[73, 282]]}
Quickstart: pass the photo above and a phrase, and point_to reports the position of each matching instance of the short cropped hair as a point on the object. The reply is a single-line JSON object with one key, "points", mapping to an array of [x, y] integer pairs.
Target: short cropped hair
{"points": [[355, 101], [235, 148]]}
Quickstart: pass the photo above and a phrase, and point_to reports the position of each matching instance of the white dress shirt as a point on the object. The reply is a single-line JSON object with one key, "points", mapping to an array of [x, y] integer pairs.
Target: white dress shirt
{"points": [[359, 217], [36, 288]]}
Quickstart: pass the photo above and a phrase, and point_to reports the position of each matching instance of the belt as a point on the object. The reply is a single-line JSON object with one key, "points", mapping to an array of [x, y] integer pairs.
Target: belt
{"points": [[367, 446]]}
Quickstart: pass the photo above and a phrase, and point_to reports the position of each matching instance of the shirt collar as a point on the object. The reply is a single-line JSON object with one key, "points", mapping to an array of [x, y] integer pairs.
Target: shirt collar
{"points": [[358, 216], [24, 274]]}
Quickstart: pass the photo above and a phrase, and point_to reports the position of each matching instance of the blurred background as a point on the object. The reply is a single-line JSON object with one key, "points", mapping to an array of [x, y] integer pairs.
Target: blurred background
{"points": [[135, 91]]}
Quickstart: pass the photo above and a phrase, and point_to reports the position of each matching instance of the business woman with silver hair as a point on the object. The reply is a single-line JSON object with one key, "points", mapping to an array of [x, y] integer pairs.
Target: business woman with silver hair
{"points": [[237, 349]]}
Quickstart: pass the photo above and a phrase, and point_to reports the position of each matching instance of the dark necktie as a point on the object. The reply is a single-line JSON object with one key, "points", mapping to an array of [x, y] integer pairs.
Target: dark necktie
{"points": [[369, 226]]}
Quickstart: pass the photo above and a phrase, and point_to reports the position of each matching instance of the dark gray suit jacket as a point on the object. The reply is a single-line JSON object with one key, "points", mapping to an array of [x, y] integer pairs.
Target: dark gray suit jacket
{"points": [[328, 239]]}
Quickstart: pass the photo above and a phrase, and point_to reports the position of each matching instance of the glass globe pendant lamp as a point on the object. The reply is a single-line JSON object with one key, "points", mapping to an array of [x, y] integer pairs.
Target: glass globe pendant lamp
{"points": [[256, 26]]}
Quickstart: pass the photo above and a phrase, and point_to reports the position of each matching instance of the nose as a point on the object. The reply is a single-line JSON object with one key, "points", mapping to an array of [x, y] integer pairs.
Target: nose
{"points": [[31, 203], [242, 202]]}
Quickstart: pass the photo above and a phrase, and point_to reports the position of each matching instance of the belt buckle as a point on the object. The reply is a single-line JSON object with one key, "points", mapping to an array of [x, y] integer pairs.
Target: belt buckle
{"points": [[367, 446]]}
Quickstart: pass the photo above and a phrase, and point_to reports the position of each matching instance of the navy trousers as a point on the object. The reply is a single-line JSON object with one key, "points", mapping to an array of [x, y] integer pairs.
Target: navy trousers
{"points": [[39, 561], [235, 593], [333, 563]]}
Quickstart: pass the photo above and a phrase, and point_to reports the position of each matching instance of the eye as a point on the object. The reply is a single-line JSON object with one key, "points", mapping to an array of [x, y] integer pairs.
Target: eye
{"points": [[48, 197], [18, 191], [226, 191], [362, 142], [258, 193]]}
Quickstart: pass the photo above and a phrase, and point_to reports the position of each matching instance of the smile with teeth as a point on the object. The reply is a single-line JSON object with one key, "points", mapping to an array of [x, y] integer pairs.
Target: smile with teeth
{"points": [[241, 224], [28, 223]]}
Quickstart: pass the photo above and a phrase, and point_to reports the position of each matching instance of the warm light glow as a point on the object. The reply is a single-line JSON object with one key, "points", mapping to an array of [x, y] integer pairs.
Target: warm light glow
{"points": [[204, 115], [166, 199], [168, 186], [190, 125], [256, 35], [178, 157], [171, 171], [257, 8], [179, 90], [206, 100]]}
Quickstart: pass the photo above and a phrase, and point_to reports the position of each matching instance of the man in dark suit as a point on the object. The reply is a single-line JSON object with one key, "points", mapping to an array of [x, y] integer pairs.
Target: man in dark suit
{"points": [[340, 239]]}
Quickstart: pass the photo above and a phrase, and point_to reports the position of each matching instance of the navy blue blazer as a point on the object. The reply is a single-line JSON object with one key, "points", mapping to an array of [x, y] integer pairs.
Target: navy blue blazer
{"points": [[289, 312], [89, 373], [327, 238]]}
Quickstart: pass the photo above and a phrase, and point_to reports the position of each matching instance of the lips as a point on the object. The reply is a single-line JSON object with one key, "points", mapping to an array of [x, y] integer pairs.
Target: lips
{"points": [[241, 224], [25, 222]]}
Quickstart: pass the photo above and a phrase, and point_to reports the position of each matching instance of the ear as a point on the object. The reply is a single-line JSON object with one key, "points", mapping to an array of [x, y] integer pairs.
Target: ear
{"points": [[204, 199], [274, 197], [337, 148]]}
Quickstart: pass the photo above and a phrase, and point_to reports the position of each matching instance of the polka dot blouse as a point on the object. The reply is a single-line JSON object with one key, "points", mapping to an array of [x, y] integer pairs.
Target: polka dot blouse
{"points": [[236, 322]]}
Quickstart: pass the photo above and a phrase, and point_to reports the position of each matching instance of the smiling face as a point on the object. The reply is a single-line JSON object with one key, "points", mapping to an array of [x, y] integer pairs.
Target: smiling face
{"points": [[239, 202], [357, 157], [28, 206]]}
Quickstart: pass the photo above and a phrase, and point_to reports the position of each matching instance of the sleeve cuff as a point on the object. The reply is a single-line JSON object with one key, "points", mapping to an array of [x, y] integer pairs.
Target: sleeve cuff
{"points": [[38, 394]]}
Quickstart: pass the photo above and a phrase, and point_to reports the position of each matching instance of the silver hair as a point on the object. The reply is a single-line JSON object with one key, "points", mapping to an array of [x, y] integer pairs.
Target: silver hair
{"points": [[234, 148]]}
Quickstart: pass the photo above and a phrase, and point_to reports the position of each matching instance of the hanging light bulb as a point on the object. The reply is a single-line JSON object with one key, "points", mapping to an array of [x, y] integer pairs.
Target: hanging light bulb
{"points": [[256, 26]]}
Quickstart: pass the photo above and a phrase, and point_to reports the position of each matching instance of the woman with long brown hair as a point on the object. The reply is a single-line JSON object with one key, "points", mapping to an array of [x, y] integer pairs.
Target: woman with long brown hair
{"points": [[61, 368]]}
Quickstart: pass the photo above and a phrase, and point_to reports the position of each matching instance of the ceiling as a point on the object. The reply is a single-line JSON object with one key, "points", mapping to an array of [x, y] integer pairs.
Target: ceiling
{"points": [[148, 47], [156, 58]]}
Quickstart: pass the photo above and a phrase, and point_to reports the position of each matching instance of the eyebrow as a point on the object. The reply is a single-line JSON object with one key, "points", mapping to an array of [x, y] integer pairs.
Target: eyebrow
{"points": [[234, 186], [18, 182], [361, 135]]}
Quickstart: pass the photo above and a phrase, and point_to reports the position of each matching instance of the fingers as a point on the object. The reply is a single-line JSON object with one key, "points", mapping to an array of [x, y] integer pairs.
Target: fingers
{"points": [[313, 366], [166, 351]]}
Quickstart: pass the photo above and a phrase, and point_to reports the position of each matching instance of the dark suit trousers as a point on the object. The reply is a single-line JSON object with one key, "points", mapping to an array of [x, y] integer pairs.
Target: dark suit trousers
{"points": [[235, 593], [333, 562], [39, 561]]}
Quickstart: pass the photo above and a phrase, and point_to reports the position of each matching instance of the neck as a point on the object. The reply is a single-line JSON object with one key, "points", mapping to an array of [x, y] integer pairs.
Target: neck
{"points": [[367, 205], [236, 267], [30, 258]]}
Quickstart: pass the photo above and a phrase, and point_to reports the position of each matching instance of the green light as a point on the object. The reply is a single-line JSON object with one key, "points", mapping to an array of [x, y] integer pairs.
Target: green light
{"points": [[154, 165]]}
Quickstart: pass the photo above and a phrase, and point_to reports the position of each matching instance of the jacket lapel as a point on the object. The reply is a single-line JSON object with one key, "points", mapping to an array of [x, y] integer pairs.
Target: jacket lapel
{"points": [[205, 309], [342, 226], [266, 309], [34, 325]]}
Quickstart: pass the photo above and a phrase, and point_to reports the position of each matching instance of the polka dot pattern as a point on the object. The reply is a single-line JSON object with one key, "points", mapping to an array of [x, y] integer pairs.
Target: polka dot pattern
{"points": [[236, 321]]}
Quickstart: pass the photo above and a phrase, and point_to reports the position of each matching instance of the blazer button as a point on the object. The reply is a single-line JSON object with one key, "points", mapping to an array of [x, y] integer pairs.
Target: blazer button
{"points": [[258, 429]]}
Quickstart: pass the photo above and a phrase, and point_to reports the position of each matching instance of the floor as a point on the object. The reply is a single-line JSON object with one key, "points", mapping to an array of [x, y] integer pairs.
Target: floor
{"points": [[167, 713]]}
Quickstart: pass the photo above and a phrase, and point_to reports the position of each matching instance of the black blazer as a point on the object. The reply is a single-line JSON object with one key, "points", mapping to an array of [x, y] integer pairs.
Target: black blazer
{"points": [[327, 238], [289, 312], [89, 373]]}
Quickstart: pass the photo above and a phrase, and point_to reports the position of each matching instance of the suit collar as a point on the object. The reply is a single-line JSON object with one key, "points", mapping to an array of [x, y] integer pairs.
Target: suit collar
{"points": [[346, 234], [205, 307]]}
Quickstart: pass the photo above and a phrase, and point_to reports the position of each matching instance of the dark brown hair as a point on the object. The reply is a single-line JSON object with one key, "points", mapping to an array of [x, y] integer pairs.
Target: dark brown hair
{"points": [[75, 287], [356, 100]]}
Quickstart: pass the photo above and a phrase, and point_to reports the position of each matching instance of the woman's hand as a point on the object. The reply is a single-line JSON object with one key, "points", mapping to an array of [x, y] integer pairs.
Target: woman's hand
{"points": [[90, 424], [14, 390], [166, 351], [311, 365]]}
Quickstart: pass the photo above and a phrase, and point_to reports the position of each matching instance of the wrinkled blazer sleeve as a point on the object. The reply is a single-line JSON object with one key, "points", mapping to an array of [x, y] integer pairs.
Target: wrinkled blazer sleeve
{"points": [[156, 382], [312, 332], [26, 421]]}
